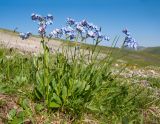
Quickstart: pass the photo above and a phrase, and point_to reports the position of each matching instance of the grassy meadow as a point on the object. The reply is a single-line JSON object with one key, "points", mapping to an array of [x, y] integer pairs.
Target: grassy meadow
{"points": [[106, 86]]}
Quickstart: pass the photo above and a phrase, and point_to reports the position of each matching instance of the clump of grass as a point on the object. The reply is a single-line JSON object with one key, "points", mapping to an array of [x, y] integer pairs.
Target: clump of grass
{"points": [[77, 88], [15, 70]]}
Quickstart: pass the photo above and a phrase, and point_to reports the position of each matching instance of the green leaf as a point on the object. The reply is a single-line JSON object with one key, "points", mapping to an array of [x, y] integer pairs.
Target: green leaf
{"points": [[56, 99], [64, 93], [76, 85], [6, 89], [17, 121], [53, 105], [54, 85], [39, 107], [125, 120], [79, 87], [92, 108], [11, 114], [87, 87], [37, 93], [83, 85], [24, 104], [39, 79], [21, 114], [46, 56]]}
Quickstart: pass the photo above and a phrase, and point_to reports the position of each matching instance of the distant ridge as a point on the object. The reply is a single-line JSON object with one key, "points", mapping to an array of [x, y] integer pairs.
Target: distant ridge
{"points": [[144, 56], [141, 47], [152, 50]]}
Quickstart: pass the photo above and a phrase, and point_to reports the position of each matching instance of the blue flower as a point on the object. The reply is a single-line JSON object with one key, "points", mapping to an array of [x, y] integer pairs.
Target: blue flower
{"points": [[84, 28], [22, 35], [129, 42], [25, 35], [41, 30], [28, 34], [135, 45], [36, 17], [71, 36], [97, 29], [84, 23], [57, 33], [50, 17], [49, 22], [90, 26], [67, 30], [125, 31], [99, 35], [33, 17], [80, 28], [53, 33], [42, 22], [106, 38], [70, 21], [91, 34]]}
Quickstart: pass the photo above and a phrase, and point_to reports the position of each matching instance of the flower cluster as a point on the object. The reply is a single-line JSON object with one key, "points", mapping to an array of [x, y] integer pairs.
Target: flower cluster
{"points": [[42, 22], [57, 33], [129, 42], [82, 29], [75, 31], [25, 35]]}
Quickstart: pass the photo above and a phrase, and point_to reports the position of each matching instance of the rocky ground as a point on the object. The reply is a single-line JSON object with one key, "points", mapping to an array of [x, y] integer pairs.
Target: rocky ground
{"points": [[30, 45]]}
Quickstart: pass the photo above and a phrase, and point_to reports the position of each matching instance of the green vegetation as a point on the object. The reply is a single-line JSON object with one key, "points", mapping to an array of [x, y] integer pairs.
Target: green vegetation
{"points": [[153, 50], [72, 87], [8, 31]]}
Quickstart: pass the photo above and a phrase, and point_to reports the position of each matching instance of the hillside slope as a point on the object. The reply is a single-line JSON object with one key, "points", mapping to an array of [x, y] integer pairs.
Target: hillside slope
{"points": [[153, 50], [11, 39], [148, 56]]}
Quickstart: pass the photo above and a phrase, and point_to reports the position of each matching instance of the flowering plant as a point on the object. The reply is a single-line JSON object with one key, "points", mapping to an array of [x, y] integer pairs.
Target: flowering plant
{"points": [[79, 31], [129, 41], [68, 80], [25, 35], [42, 22]]}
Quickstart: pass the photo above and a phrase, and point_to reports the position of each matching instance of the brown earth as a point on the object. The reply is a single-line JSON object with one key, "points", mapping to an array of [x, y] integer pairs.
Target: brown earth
{"points": [[30, 45]]}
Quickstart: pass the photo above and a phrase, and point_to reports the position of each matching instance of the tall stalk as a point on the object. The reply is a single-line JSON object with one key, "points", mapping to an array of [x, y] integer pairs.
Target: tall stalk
{"points": [[45, 69]]}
